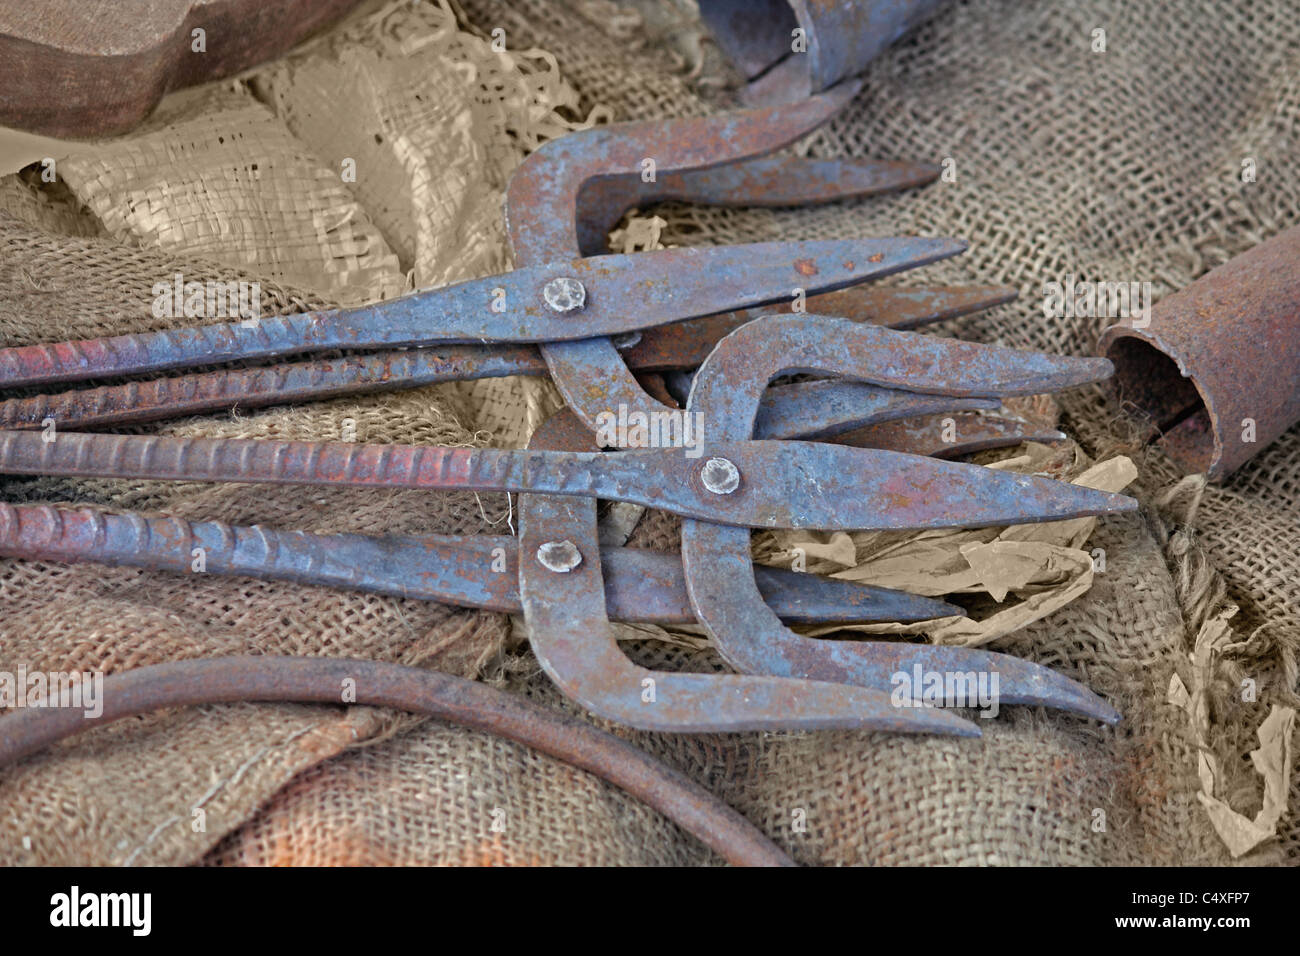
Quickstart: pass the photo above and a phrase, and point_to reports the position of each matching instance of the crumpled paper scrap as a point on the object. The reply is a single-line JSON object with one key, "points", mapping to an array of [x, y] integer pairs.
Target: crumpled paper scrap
{"points": [[1273, 759], [1044, 566], [637, 233]]}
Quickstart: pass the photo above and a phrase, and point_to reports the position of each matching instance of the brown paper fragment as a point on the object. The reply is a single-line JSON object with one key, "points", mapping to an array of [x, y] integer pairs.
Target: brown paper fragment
{"points": [[1273, 761], [837, 548], [1005, 566], [1114, 474], [1043, 565], [1178, 695]]}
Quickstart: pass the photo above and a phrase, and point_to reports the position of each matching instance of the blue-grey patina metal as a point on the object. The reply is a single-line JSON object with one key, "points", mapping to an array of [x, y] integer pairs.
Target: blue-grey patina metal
{"points": [[469, 570], [569, 301], [790, 49]]}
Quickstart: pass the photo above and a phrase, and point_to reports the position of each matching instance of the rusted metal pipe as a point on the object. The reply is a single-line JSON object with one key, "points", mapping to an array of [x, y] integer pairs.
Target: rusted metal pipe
{"points": [[453, 699], [791, 49], [1217, 370]]}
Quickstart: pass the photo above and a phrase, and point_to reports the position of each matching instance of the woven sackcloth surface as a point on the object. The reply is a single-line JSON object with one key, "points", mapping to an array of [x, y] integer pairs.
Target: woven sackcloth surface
{"points": [[1122, 165]]}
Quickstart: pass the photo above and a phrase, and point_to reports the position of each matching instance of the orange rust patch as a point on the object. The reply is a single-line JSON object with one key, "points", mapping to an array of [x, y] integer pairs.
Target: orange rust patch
{"points": [[805, 267], [876, 258]]}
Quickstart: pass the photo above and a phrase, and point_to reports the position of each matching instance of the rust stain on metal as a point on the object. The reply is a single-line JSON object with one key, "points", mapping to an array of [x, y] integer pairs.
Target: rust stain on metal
{"points": [[1215, 371]]}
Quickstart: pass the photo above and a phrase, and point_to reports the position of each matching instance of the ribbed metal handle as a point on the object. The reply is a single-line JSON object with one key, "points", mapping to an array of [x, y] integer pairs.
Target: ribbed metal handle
{"points": [[270, 385]]}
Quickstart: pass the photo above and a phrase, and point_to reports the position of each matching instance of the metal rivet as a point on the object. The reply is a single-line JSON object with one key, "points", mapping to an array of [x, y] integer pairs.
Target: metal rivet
{"points": [[626, 340], [565, 294], [559, 556], [720, 476]]}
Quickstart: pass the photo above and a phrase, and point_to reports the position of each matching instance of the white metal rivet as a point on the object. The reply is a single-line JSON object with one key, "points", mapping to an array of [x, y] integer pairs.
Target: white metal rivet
{"points": [[564, 294], [720, 476], [559, 556]]}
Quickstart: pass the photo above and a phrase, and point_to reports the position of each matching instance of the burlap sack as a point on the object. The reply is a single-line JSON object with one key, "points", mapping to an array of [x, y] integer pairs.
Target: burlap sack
{"points": [[1122, 165], [213, 174]]}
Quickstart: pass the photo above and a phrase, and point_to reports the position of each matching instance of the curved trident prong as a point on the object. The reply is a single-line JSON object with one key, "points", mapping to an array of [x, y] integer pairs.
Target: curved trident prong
{"points": [[566, 196], [569, 630], [564, 604], [563, 199], [565, 609], [719, 569]]}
